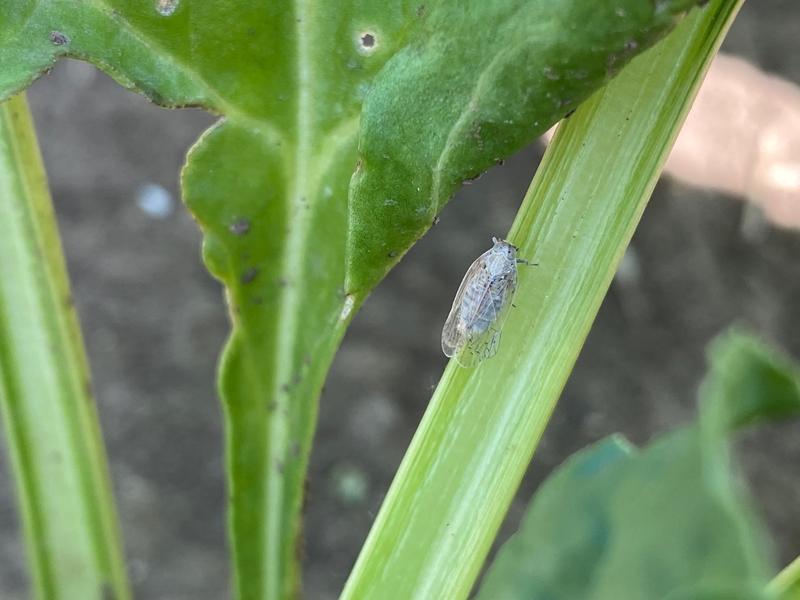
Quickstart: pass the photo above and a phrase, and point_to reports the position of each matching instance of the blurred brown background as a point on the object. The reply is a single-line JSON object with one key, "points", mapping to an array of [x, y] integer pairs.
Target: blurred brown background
{"points": [[154, 322]]}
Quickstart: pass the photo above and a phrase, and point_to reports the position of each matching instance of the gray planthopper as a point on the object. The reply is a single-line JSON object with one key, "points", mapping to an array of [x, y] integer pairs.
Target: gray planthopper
{"points": [[472, 330]]}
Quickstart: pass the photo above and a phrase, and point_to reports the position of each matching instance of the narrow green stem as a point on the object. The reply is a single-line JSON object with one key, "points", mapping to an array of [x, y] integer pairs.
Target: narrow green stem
{"points": [[50, 420], [786, 584], [477, 437]]}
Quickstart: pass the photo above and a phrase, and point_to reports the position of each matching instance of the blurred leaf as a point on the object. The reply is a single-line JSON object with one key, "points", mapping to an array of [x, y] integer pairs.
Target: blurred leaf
{"points": [[269, 183], [479, 432], [667, 522], [51, 426]]}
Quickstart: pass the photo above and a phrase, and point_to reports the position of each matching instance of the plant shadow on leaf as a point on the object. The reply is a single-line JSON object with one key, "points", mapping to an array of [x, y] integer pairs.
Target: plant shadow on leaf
{"points": [[667, 521]]}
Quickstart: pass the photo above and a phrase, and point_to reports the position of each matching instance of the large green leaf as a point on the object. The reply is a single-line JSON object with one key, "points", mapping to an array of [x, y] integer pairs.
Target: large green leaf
{"points": [[669, 521], [471, 87], [45, 395], [464, 86]]}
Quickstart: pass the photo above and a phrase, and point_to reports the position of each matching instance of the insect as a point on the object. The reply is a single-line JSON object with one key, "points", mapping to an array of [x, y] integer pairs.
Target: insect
{"points": [[471, 333]]}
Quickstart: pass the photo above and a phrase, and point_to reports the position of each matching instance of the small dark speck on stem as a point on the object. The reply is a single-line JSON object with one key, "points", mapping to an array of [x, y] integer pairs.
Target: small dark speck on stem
{"points": [[107, 592], [248, 275]]}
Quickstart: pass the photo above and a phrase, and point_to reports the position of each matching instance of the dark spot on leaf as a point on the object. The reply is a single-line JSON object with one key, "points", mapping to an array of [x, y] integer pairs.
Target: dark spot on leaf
{"points": [[58, 38], [631, 45], [283, 282], [294, 449], [240, 226], [279, 466], [420, 10], [392, 254], [367, 40], [569, 114], [249, 275], [257, 300], [271, 406]]}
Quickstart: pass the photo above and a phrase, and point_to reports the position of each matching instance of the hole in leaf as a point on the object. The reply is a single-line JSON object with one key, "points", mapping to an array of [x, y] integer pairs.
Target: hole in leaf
{"points": [[367, 42]]}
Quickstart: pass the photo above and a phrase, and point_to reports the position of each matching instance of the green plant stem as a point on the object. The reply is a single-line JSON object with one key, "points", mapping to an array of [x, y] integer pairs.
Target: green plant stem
{"points": [[477, 437], [50, 420], [786, 584]]}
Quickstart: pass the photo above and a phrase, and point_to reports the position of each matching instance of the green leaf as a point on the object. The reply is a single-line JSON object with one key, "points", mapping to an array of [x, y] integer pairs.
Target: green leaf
{"points": [[47, 410], [479, 432], [298, 245], [268, 185], [667, 522], [470, 88]]}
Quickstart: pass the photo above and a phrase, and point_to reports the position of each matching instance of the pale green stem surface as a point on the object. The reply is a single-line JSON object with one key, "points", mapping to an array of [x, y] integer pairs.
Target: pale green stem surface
{"points": [[786, 584], [50, 421], [478, 435]]}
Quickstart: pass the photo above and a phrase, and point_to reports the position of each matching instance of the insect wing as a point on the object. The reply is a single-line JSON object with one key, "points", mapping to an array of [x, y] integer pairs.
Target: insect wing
{"points": [[452, 339], [484, 345]]}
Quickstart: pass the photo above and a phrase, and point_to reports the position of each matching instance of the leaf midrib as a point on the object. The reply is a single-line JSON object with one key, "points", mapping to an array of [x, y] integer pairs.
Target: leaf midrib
{"points": [[298, 226]]}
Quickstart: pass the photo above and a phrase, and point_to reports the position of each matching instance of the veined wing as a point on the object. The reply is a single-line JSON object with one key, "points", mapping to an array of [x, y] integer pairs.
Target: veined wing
{"points": [[453, 339], [478, 347]]}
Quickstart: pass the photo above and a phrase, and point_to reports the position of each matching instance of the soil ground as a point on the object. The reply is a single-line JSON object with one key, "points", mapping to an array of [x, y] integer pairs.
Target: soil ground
{"points": [[154, 322]]}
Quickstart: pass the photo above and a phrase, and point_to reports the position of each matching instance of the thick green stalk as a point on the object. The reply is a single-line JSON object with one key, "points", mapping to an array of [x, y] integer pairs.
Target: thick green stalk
{"points": [[478, 435], [50, 420]]}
